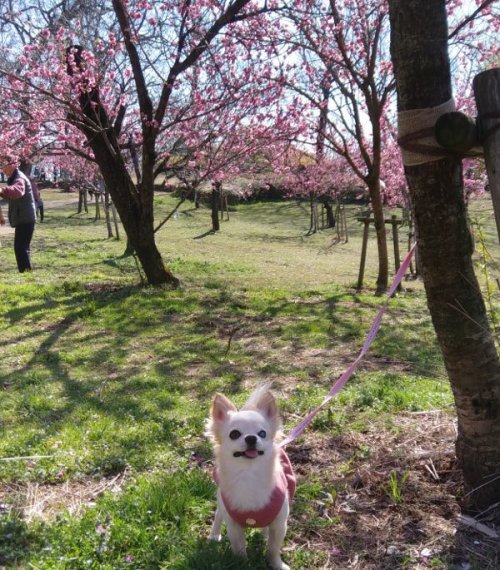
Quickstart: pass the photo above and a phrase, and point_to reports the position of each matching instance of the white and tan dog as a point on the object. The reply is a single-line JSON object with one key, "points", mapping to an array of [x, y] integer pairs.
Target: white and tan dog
{"points": [[254, 475]]}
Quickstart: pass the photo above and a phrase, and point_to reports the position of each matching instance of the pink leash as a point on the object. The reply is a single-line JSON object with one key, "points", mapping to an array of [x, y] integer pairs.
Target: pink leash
{"points": [[339, 384]]}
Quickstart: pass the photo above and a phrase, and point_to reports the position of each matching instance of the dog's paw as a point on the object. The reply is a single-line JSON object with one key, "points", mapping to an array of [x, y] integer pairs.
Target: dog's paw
{"points": [[216, 537], [278, 564]]}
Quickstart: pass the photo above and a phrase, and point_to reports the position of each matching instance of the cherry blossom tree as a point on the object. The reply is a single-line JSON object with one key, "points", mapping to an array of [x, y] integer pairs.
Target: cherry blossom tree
{"points": [[345, 73], [323, 179], [127, 89], [228, 149], [423, 72], [136, 88]]}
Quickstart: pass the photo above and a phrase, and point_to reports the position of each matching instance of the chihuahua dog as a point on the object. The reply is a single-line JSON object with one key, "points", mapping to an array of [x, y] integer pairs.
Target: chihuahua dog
{"points": [[254, 476]]}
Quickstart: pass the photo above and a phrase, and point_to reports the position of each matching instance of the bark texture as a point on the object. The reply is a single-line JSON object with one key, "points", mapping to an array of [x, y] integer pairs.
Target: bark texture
{"points": [[134, 202], [420, 56]]}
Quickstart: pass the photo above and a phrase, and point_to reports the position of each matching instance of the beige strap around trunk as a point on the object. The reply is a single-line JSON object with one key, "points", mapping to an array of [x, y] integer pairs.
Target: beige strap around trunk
{"points": [[416, 134]]}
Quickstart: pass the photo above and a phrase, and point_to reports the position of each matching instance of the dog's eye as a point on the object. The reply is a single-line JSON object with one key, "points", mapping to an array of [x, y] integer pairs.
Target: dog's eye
{"points": [[262, 434], [235, 434]]}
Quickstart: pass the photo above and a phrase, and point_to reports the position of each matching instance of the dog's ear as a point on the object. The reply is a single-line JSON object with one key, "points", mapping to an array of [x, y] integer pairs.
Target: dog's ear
{"points": [[266, 404], [221, 406]]}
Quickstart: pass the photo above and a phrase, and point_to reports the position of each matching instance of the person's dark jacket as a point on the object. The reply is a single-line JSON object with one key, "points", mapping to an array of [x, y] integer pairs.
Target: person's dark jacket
{"points": [[22, 209]]}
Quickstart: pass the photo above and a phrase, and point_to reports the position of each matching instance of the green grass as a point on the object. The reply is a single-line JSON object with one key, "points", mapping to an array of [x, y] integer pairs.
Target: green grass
{"points": [[100, 377]]}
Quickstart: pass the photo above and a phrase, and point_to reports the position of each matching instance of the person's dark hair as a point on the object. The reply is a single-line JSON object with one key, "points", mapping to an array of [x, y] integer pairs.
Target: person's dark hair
{"points": [[9, 159]]}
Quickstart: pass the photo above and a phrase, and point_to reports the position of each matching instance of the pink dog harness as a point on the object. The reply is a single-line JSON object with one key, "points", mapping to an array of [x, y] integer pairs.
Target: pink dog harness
{"points": [[286, 483]]}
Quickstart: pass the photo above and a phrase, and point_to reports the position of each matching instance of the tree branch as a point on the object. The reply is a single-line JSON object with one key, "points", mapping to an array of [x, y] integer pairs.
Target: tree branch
{"points": [[470, 18], [145, 104], [226, 18]]}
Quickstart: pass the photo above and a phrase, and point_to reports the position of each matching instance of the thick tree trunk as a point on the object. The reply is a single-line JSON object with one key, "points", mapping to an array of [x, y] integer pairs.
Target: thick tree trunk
{"points": [[420, 56], [330, 216], [135, 208], [134, 202]]}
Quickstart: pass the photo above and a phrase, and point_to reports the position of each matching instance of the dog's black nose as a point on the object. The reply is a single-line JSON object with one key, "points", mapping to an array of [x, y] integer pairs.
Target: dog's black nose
{"points": [[250, 439]]}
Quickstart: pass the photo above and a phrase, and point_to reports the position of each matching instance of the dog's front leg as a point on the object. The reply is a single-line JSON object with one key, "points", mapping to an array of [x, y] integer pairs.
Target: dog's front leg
{"points": [[216, 526], [276, 536], [236, 535]]}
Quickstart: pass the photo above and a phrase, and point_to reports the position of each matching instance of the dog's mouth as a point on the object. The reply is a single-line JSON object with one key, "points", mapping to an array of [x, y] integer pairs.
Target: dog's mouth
{"points": [[249, 453]]}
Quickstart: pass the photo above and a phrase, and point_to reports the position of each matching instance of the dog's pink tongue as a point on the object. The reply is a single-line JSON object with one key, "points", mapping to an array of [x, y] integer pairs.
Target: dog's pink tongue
{"points": [[252, 453]]}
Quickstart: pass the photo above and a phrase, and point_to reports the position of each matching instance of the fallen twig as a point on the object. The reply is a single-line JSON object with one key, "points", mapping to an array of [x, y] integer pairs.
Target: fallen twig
{"points": [[432, 470], [477, 526], [23, 457]]}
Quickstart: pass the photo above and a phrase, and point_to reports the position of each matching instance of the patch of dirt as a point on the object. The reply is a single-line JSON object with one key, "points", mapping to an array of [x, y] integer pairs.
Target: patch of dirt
{"points": [[6, 230], [373, 524], [45, 501]]}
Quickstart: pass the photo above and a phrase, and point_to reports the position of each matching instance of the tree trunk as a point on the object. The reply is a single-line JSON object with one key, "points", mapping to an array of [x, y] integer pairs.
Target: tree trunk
{"points": [[135, 208], [313, 217], [216, 194], [330, 216], [378, 216], [82, 201], [421, 64], [115, 219], [196, 199], [312, 227], [134, 202]]}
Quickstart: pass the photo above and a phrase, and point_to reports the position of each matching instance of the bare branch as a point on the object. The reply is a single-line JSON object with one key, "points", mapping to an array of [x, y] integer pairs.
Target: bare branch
{"points": [[470, 18]]}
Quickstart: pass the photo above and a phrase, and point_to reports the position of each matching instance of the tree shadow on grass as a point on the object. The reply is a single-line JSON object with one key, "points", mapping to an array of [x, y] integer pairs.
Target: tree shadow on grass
{"points": [[204, 235], [134, 367], [121, 396]]}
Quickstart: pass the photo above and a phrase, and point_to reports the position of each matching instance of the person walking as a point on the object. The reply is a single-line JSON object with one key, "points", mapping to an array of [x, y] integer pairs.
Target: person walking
{"points": [[22, 210], [38, 199]]}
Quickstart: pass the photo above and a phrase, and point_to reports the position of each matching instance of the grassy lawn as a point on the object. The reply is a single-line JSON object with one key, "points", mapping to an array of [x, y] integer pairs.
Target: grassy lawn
{"points": [[105, 387]]}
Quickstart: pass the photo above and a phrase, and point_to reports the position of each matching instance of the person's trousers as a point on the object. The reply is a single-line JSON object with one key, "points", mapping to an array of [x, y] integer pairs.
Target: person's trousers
{"points": [[22, 241], [39, 210]]}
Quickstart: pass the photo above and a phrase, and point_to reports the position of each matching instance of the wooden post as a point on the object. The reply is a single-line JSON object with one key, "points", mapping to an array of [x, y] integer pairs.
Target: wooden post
{"points": [[395, 239], [97, 207], [487, 94], [344, 223], [107, 217], [337, 218], [363, 253], [115, 220], [456, 132], [341, 224]]}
